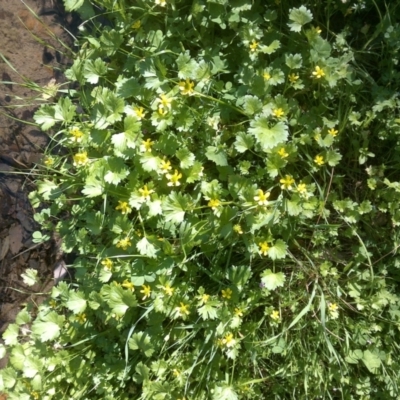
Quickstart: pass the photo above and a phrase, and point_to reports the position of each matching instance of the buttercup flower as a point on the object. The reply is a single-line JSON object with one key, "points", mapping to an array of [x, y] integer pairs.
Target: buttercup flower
{"points": [[205, 298], [123, 206], [282, 152], [146, 291], [186, 87], [136, 25], [278, 112], [214, 203], [139, 112], [293, 77], [226, 294], [238, 229], [333, 307], [174, 179], [49, 161], [183, 309], [267, 76], [164, 103], [146, 145], [333, 132], [81, 318], [229, 340], [161, 3], [319, 160], [107, 263], [168, 290], [128, 285], [76, 134], [262, 198], [275, 315], [238, 312], [302, 188], [80, 159], [264, 248], [318, 72], [124, 243], [165, 166], [145, 192], [253, 45], [287, 182]]}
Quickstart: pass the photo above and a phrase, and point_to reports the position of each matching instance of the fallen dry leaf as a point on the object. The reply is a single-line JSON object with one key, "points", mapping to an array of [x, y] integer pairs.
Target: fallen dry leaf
{"points": [[15, 235], [5, 246]]}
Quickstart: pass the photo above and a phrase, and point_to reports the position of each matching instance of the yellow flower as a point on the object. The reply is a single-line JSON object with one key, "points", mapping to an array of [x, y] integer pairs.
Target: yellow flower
{"points": [[214, 203], [136, 25], [81, 318], [174, 179], [77, 134], [287, 182], [229, 340], [293, 77], [124, 243], [226, 294], [168, 290], [302, 188], [262, 198], [139, 112], [318, 30], [275, 315], [128, 285], [165, 166], [107, 263], [238, 229], [146, 291], [145, 192], [253, 45], [205, 297], [319, 160], [81, 159], [267, 76], [183, 309], [333, 132], [264, 248], [282, 152], [238, 312], [333, 307], [318, 72], [176, 372], [124, 207], [164, 103], [186, 87], [161, 3], [278, 112], [35, 395], [52, 303], [146, 145], [49, 161]]}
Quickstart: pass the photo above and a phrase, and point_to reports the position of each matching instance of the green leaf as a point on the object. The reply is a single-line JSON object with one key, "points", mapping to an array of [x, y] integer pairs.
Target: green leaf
{"points": [[174, 207], [299, 16], [73, 5], [141, 341], [154, 208], [146, 248], [209, 310], [186, 158], [371, 361], [252, 105], [93, 187], [150, 162], [76, 302], [111, 40], [93, 70], [271, 280], [243, 142], [278, 250], [293, 61], [217, 155], [239, 275], [10, 335], [3, 351], [271, 48], [63, 111], [94, 222], [116, 170], [45, 117], [8, 377], [268, 136], [120, 300], [30, 277], [333, 157], [32, 366], [23, 317], [354, 356], [142, 373], [48, 327]]}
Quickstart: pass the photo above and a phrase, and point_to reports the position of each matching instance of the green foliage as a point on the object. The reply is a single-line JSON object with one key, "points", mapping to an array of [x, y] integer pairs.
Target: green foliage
{"points": [[229, 183]]}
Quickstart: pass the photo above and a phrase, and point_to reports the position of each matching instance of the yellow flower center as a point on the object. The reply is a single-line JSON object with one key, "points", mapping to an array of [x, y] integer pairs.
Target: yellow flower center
{"points": [[214, 203], [262, 198], [264, 248], [123, 207], [287, 182], [128, 285], [174, 179], [186, 87], [278, 112], [145, 192], [139, 112], [165, 166], [124, 243], [183, 309], [226, 294], [275, 315], [253, 45], [318, 72], [108, 264], [267, 76], [146, 291], [76, 134], [319, 160], [147, 144], [168, 290], [333, 132], [282, 152], [81, 159], [293, 77]]}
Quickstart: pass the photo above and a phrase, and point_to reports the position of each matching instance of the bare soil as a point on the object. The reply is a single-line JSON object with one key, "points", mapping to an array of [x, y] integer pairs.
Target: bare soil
{"points": [[32, 49]]}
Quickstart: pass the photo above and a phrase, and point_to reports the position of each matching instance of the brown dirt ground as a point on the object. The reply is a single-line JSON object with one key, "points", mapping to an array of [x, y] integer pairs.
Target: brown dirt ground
{"points": [[33, 47]]}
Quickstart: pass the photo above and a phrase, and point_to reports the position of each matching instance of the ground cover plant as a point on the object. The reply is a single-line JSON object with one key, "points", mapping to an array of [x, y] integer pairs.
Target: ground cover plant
{"points": [[227, 175]]}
